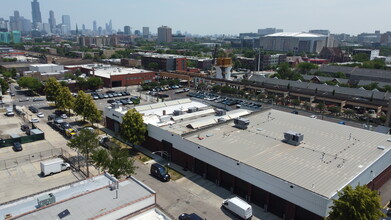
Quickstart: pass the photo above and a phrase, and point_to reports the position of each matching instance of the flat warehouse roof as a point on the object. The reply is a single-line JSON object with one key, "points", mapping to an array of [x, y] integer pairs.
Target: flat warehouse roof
{"points": [[330, 156], [86, 199]]}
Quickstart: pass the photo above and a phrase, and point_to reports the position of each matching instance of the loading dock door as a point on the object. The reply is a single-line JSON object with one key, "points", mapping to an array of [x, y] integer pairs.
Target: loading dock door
{"points": [[226, 180], [211, 173], [276, 205], [199, 167]]}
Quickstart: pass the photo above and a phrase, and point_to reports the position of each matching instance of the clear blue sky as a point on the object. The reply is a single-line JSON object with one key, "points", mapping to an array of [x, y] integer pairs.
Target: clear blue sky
{"points": [[217, 16]]}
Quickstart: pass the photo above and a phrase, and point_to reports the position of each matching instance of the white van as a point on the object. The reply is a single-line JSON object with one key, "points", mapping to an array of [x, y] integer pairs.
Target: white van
{"points": [[238, 207]]}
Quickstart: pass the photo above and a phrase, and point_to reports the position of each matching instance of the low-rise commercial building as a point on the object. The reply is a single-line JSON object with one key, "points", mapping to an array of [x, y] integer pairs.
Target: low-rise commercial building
{"points": [[166, 62], [117, 77], [290, 165], [101, 197]]}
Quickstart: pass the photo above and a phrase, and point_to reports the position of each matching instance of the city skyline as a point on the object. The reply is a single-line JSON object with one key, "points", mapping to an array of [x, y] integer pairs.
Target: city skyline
{"points": [[220, 17]]}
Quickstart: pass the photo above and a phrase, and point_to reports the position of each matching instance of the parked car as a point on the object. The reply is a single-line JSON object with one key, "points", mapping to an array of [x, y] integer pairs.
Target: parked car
{"points": [[110, 101], [38, 99], [59, 112], [295, 112], [24, 100], [52, 117], [64, 116], [33, 109], [314, 116], [160, 172], [24, 127], [10, 114], [40, 115], [34, 120], [58, 120], [17, 146], [191, 216]]}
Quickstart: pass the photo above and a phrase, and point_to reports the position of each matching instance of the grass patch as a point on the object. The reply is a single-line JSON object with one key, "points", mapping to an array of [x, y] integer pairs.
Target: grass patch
{"points": [[174, 174]]}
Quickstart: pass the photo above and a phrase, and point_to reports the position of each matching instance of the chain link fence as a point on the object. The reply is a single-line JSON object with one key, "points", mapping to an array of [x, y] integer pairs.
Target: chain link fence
{"points": [[30, 158]]}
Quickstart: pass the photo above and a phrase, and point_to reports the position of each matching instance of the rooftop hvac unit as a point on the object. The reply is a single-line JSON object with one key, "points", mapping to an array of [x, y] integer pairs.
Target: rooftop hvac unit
{"points": [[192, 109], [46, 200], [165, 118], [241, 123], [220, 112], [293, 138], [114, 105], [178, 112], [220, 120]]}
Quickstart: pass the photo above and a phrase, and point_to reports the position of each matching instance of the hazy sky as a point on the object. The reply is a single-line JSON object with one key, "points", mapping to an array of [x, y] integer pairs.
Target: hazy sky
{"points": [[217, 16]]}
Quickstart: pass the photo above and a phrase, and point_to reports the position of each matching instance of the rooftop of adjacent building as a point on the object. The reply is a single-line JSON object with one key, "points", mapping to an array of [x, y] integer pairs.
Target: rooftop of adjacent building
{"points": [[295, 34], [330, 156], [85, 199], [111, 71]]}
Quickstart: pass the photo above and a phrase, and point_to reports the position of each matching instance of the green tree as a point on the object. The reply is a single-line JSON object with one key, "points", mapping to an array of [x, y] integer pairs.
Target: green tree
{"points": [[91, 112], [116, 161], [334, 110], [80, 103], [30, 83], [321, 107], [52, 89], [295, 102], [305, 68], [360, 57], [349, 113], [88, 56], [356, 203], [85, 143], [133, 128], [4, 85], [94, 83], [65, 100]]}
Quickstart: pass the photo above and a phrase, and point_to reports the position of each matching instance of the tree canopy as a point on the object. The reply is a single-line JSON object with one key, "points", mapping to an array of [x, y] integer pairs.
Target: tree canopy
{"points": [[116, 161], [4, 85], [356, 203], [52, 89], [30, 83], [133, 128], [85, 142]]}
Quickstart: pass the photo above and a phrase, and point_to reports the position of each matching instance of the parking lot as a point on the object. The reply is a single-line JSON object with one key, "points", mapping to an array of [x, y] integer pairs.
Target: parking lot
{"points": [[25, 180]]}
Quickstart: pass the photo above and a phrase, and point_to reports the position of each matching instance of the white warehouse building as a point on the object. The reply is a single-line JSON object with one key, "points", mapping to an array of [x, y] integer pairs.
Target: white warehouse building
{"points": [[293, 179]]}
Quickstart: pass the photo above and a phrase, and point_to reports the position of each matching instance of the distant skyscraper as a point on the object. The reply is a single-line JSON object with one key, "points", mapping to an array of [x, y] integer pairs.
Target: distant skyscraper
{"points": [[84, 27], [137, 32], [66, 24], [127, 30], [16, 22], [94, 27], [145, 32], [164, 34], [100, 30], [36, 13], [46, 28], [52, 21]]}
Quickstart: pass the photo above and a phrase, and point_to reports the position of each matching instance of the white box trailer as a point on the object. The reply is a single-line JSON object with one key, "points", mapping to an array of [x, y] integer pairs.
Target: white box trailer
{"points": [[50, 167], [238, 207]]}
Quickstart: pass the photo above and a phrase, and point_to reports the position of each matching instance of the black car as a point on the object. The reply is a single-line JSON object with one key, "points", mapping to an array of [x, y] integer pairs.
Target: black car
{"points": [[24, 127], [33, 109], [191, 216], [17, 146], [160, 172], [295, 112], [110, 101]]}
